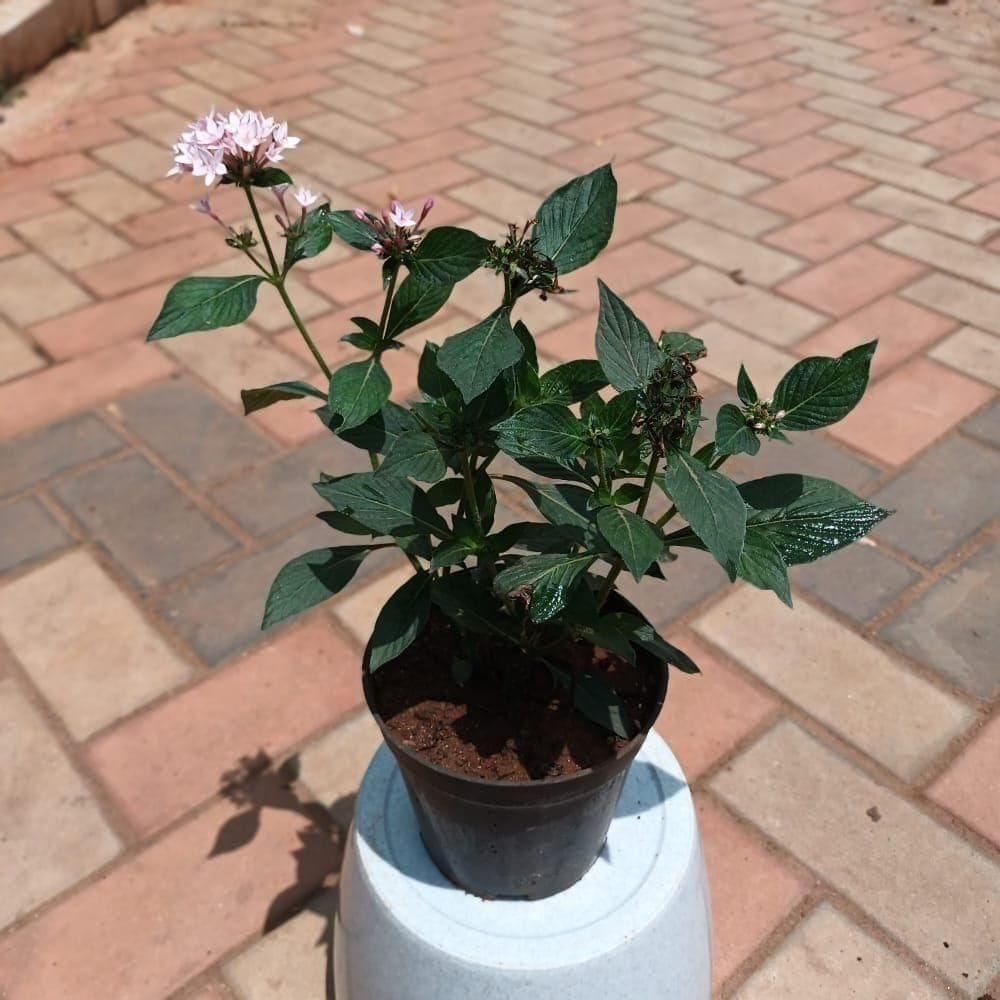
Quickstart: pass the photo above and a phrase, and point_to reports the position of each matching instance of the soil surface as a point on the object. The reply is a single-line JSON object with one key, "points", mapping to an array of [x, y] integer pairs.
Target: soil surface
{"points": [[526, 732]]}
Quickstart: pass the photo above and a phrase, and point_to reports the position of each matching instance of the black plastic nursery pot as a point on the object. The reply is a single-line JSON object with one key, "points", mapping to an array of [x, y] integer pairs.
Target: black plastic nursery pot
{"points": [[522, 840]]}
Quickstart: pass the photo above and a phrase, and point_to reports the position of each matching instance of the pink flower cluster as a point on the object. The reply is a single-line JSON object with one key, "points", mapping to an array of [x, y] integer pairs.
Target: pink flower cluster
{"points": [[233, 146], [397, 230]]}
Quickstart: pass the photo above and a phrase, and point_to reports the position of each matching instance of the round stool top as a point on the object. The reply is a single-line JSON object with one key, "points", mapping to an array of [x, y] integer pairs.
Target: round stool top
{"points": [[647, 855]]}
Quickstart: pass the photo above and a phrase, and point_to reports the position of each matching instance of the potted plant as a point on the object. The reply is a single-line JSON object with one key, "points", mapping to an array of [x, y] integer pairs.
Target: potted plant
{"points": [[511, 680]]}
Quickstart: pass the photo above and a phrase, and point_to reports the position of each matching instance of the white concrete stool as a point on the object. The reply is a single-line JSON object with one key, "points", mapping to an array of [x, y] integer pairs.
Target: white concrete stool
{"points": [[636, 927]]}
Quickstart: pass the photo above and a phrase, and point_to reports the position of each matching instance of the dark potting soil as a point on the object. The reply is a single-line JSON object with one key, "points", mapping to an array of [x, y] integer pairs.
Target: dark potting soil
{"points": [[526, 733]]}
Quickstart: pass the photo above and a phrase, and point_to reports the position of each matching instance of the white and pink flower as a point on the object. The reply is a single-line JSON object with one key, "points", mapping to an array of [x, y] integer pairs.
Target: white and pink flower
{"points": [[233, 146], [397, 230]]}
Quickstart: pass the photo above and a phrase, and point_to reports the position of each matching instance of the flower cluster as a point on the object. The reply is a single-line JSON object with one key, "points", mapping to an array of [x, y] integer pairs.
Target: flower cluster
{"points": [[397, 231], [233, 147]]}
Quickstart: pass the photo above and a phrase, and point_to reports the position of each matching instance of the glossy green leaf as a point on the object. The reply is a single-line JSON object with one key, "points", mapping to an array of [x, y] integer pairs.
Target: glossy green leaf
{"points": [[416, 454], [311, 239], [258, 399], [474, 358], [205, 304], [572, 382], [711, 504], [448, 254], [400, 621], [762, 566], [388, 505], [309, 579], [550, 577], [806, 517], [745, 388], [548, 429], [357, 391], [817, 392], [632, 537], [573, 225], [415, 301], [625, 348], [733, 435], [352, 230]]}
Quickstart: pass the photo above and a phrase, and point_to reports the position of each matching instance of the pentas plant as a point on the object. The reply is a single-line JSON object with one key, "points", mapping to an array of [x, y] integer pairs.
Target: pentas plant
{"points": [[595, 438]]}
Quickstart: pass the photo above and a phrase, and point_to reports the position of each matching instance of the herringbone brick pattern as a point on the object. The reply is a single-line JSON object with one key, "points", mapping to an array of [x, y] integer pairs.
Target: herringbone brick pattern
{"points": [[796, 176]]}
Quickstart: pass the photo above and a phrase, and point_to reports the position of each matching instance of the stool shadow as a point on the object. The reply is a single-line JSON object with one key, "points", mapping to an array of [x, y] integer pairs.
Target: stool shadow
{"points": [[255, 784]]}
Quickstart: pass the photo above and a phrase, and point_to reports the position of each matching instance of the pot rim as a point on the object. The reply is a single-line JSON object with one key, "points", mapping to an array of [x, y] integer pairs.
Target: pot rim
{"points": [[628, 750]]}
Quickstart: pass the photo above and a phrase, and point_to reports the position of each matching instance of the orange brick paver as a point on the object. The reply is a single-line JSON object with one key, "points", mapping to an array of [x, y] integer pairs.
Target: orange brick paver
{"points": [[794, 178]]}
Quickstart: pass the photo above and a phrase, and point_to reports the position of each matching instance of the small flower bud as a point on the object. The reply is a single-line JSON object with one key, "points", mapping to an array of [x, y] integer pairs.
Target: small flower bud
{"points": [[360, 215]]}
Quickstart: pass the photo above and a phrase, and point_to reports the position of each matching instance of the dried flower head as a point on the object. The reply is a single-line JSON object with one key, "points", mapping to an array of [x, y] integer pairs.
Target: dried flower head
{"points": [[233, 147]]}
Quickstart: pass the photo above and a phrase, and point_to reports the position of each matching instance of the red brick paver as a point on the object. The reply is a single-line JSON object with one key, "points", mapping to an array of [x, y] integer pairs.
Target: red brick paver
{"points": [[794, 179]]}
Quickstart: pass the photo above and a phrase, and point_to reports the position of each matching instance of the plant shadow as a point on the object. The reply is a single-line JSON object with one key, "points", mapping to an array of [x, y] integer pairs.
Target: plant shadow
{"points": [[256, 784]]}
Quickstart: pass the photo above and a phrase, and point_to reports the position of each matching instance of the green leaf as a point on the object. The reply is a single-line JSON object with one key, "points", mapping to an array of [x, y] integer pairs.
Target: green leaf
{"points": [[762, 566], [551, 578], [352, 230], [745, 388], [258, 399], [711, 504], [388, 505], [448, 254], [415, 301], [530, 535], [343, 523], [400, 621], [205, 304], [269, 177], [817, 392], [446, 492], [312, 239], [452, 553], [682, 344], [416, 454], [547, 429], [561, 504], [624, 347], [474, 358], [640, 632], [357, 391], [574, 223], [733, 436], [632, 537], [472, 607], [806, 517], [599, 702], [572, 382], [379, 431], [310, 579]]}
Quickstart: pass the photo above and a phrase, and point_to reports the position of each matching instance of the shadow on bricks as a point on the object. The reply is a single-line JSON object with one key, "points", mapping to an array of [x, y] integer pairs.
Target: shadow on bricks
{"points": [[257, 783]]}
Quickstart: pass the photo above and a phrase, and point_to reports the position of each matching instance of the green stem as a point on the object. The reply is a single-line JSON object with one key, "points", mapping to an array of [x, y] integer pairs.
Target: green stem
{"points": [[470, 494], [619, 564], [263, 234], [508, 291], [278, 280], [301, 327], [389, 292]]}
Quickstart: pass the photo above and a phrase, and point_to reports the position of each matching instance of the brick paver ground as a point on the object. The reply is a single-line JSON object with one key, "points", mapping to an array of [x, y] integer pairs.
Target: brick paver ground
{"points": [[795, 176]]}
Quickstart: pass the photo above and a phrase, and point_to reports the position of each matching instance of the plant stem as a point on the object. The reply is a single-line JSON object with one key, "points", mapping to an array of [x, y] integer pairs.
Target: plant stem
{"points": [[508, 292], [263, 233], [470, 494], [301, 327], [278, 280], [389, 292], [619, 564]]}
